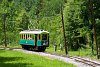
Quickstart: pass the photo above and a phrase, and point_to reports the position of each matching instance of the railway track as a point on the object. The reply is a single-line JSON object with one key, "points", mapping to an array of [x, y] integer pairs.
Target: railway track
{"points": [[85, 61], [82, 60]]}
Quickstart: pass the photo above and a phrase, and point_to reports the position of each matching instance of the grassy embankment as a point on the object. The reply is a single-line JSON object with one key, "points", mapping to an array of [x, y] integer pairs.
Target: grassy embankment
{"points": [[82, 52], [10, 58]]}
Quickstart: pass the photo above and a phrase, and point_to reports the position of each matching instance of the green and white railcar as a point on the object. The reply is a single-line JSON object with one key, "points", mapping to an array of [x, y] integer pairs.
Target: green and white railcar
{"points": [[34, 39]]}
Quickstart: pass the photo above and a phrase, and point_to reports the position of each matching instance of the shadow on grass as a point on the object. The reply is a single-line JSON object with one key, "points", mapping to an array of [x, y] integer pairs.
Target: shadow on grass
{"points": [[14, 65], [8, 59], [15, 61], [7, 62]]}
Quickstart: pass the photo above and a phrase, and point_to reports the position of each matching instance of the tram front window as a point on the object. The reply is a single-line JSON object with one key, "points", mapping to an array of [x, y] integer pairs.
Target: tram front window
{"points": [[44, 36]]}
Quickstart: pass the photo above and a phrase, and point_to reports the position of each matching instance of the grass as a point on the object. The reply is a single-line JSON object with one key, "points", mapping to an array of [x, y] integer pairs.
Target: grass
{"points": [[10, 58], [82, 53], [11, 46], [51, 49]]}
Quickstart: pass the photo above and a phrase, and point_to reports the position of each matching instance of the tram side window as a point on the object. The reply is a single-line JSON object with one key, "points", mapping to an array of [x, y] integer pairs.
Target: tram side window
{"points": [[22, 36], [26, 36], [29, 37], [44, 36]]}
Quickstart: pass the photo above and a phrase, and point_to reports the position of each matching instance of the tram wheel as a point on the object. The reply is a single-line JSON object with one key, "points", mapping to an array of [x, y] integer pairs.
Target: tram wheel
{"points": [[41, 49]]}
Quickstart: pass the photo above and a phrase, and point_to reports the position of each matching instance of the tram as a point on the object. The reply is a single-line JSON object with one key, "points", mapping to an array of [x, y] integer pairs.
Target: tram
{"points": [[34, 39]]}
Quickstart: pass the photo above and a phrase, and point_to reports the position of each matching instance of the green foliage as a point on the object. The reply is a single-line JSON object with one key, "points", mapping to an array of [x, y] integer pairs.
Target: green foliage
{"points": [[25, 22], [45, 14], [24, 14], [74, 30]]}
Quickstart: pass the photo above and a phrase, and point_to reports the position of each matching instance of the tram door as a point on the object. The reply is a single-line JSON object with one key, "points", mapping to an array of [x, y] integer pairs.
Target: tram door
{"points": [[35, 39]]}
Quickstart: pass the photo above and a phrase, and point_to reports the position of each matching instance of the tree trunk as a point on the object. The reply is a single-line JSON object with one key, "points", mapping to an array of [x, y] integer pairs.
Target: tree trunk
{"points": [[4, 27], [92, 19], [65, 43]]}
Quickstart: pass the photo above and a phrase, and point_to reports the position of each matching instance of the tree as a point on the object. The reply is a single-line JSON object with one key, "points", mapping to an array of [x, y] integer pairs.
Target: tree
{"points": [[75, 29], [92, 19], [65, 42], [4, 14], [4, 28]]}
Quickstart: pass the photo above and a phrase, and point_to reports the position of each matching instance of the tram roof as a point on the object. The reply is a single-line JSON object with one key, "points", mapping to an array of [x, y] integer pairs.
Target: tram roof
{"points": [[33, 32]]}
